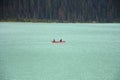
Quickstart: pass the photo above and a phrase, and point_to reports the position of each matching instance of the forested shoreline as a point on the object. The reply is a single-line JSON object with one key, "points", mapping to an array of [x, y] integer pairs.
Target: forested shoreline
{"points": [[60, 10]]}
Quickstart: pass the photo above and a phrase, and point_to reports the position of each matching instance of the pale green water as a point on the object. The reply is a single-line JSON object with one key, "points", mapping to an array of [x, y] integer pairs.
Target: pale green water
{"points": [[91, 51]]}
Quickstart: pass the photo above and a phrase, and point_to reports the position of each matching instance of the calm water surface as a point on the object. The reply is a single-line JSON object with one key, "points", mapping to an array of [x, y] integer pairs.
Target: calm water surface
{"points": [[91, 51]]}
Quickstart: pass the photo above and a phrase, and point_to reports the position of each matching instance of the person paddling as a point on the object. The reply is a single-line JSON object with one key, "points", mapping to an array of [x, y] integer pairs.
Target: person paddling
{"points": [[60, 40], [53, 40]]}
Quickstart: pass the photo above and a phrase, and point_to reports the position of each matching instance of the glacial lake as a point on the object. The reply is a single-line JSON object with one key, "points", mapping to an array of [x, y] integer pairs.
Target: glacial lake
{"points": [[91, 51]]}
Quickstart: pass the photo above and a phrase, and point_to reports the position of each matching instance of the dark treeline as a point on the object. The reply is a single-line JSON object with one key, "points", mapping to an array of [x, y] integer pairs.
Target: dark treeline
{"points": [[60, 10]]}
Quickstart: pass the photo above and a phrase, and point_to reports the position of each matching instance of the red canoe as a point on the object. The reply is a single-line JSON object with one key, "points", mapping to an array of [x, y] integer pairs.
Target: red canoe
{"points": [[58, 42]]}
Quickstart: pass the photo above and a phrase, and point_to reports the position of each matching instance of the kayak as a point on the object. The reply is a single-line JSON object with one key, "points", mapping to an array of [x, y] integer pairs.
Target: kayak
{"points": [[58, 42]]}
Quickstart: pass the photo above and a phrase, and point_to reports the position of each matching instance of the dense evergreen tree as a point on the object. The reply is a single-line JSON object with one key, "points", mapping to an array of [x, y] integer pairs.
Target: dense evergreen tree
{"points": [[60, 10]]}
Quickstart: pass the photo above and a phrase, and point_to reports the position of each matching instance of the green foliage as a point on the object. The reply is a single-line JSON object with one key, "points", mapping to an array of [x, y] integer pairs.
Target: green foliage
{"points": [[59, 10]]}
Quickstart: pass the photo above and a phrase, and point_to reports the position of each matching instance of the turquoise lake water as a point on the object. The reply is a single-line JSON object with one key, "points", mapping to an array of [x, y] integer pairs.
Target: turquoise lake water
{"points": [[91, 51]]}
